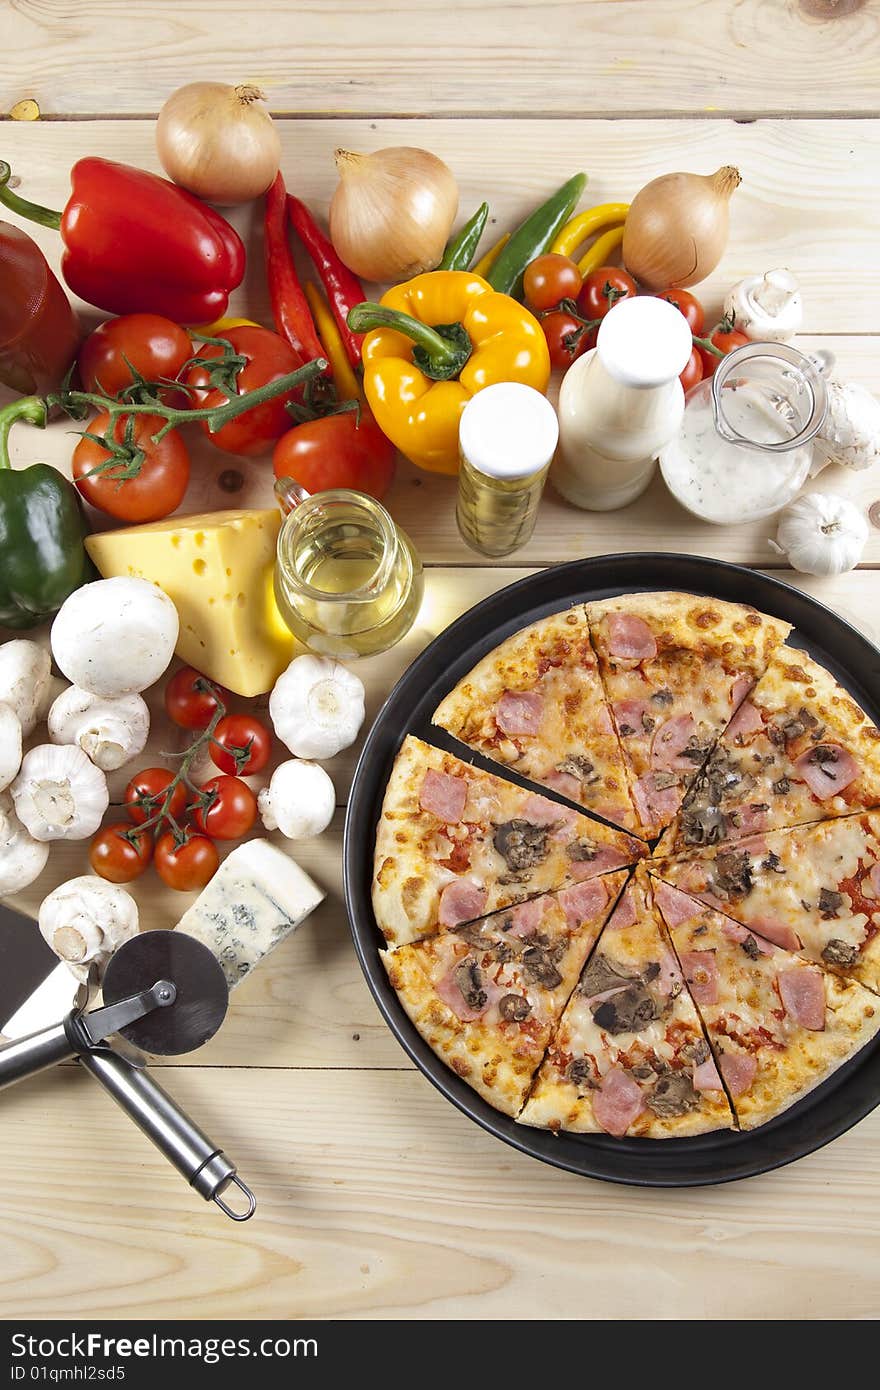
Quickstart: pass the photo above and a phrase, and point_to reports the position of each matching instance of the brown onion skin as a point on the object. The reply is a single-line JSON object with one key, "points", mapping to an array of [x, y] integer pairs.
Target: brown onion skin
{"points": [[677, 228]]}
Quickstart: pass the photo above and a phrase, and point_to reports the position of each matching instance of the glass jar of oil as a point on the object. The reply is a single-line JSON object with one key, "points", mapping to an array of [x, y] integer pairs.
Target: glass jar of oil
{"points": [[348, 581]]}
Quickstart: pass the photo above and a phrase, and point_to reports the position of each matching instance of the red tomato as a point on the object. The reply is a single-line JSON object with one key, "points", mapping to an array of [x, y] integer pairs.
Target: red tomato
{"points": [[724, 338], [602, 289], [550, 278], [693, 372], [230, 811], [189, 865], [145, 795], [241, 745], [268, 358], [119, 853], [566, 337], [689, 305], [191, 700], [145, 489], [337, 451], [155, 347]]}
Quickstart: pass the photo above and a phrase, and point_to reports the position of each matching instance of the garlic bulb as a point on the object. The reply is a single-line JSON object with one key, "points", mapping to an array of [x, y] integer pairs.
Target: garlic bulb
{"points": [[59, 794], [22, 858], [821, 533], [299, 801], [85, 920], [110, 732], [317, 707], [850, 432]]}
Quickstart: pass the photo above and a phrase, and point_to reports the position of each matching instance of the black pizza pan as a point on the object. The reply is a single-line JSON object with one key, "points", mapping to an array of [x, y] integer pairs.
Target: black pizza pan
{"points": [[830, 1110]]}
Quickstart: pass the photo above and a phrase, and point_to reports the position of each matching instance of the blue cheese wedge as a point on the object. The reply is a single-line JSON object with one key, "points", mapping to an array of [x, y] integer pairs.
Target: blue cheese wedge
{"points": [[257, 897]]}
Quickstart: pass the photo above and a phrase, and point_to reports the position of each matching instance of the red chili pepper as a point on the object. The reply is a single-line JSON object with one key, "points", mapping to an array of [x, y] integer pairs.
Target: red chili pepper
{"points": [[344, 289], [290, 309], [136, 243]]}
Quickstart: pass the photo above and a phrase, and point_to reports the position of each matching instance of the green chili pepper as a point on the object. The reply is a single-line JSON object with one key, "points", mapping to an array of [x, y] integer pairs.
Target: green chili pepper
{"points": [[42, 526], [533, 236], [460, 251]]}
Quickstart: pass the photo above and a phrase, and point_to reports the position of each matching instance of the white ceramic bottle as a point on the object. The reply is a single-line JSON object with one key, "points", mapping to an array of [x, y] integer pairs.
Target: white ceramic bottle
{"points": [[620, 403]]}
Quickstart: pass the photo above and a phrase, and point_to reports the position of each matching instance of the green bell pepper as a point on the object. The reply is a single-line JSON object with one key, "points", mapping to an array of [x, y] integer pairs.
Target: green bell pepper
{"points": [[42, 526]]}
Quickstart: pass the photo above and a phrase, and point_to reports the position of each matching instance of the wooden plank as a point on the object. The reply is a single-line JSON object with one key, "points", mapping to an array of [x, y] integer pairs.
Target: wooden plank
{"points": [[468, 56], [378, 1199]]}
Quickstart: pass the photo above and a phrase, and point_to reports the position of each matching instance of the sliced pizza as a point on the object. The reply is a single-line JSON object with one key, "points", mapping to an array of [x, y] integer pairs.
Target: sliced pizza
{"points": [[798, 749], [454, 843], [814, 889], [778, 1025], [487, 995], [536, 704], [629, 1056], [675, 667]]}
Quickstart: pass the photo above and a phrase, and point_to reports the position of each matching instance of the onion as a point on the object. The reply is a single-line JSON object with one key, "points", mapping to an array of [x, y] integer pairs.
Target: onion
{"points": [[218, 142], [392, 213], [676, 228]]}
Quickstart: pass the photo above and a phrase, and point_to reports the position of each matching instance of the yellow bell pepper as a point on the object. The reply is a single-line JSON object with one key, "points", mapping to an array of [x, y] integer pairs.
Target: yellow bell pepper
{"points": [[431, 344]]}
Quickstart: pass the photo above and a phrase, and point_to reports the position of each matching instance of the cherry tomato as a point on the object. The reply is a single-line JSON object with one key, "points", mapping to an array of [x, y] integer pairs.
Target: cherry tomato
{"points": [[119, 853], [146, 489], [156, 348], [602, 289], [566, 337], [231, 811], [337, 451], [245, 745], [191, 700], [724, 338], [550, 278], [693, 372], [268, 358], [189, 865], [689, 305], [145, 794]]}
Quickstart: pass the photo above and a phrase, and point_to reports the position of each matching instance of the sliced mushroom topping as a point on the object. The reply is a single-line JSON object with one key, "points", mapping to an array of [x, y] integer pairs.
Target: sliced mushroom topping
{"points": [[839, 952], [751, 948], [472, 933], [578, 767], [603, 974], [662, 780], [808, 720], [695, 751], [829, 902], [696, 1052], [794, 728], [514, 1007], [773, 864], [538, 966], [580, 1072], [648, 723], [733, 874], [775, 734], [643, 1073], [521, 844], [662, 697], [469, 978], [508, 949], [581, 851], [702, 825], [673, 1095], [627, 1012], [781, 786], [825, 755]]}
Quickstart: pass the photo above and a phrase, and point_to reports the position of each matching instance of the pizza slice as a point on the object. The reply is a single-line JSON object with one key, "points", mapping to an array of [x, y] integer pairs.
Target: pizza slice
{"points": [[454, 843], [798, 749], [536, 704], [629, 1056], [486, 996], [778, 1025], [814, 889], [675, 668]]}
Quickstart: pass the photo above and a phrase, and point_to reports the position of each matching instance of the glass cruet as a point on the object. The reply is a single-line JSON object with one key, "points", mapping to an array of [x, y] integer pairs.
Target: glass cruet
{"points": [[745, 445]]}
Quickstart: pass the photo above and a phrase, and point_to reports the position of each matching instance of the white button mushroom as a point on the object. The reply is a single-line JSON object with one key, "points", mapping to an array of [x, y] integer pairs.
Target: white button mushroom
{"points": [[116, 636], [25, 676], [850, 432], [317, 707], [56, 686], [767, 308], [110, 732], [22, 858], [299, 801], [85, 920], [59, 794], [10, 745]]}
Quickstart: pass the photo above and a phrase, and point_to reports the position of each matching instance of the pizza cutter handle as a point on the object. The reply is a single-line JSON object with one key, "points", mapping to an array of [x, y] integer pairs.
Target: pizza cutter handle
{"points": [[205, 1166], [27, 1056]]}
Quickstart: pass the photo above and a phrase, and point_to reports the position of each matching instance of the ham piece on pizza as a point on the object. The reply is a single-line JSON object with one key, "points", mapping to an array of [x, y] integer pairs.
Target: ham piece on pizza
{"points": [[814, 889], [536, 704], [487, 996], [675, 667], [778, 1025], [454, 843], [629, 1056], [798, 749]]}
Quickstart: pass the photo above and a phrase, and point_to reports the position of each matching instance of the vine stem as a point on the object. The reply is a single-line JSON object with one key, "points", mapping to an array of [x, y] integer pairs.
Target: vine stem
{"points": [[206, 736]]}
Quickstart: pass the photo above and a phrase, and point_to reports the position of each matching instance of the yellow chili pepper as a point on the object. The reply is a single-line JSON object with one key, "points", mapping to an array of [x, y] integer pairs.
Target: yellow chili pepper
{"points": [[431, 344], [485, 263], [347, 386], [586, 223], [211, 330], [603, 247]]}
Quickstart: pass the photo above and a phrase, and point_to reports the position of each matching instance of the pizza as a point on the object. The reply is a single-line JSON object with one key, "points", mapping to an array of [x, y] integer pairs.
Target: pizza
{"points": [[454, 843], [487, 995], [629, 1056], [814, 889], [798, 749], [536, 704], [778, 1025], [675, 668]]}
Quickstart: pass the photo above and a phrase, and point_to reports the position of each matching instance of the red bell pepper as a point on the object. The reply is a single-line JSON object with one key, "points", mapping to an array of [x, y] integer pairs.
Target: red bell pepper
{"points": [[136, 243], [290, 308], [344, 289]]}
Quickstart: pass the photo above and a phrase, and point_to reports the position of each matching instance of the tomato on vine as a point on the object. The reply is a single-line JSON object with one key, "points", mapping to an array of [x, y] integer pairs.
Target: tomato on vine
{"points": [[264, 357], [186, 864], [120, 853], [228, 809], [567, 337], [344, 449], [687, 304], [693, 372], [144, 797], [155, 348], [550, 278], [724, 337], [134, 479], [241, 745], [192, 700], [602, 289]]}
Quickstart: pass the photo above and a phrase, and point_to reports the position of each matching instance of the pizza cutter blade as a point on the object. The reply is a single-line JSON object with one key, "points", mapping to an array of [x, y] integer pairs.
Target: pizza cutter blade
{"points": [[202, 994]]}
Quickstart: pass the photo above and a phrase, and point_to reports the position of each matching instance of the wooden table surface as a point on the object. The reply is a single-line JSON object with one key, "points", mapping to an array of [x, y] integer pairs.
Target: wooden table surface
{"points": [[376, 1197]]}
